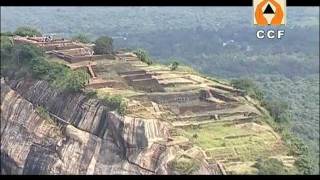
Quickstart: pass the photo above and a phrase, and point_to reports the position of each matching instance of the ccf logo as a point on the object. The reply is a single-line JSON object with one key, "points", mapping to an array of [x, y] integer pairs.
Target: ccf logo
{"points": [[269, 12]]}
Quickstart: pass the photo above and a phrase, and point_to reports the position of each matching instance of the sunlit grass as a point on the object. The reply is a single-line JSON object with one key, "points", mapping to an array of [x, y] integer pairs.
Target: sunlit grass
{"points": [[245, 142]]}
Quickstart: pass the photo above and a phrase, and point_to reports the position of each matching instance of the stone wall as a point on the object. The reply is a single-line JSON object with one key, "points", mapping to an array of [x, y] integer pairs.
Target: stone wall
{"points": [[133, 72], [204, 108], [110, 84], [179, 97], [147, 85], [206, 94], [236, 92], [139, 76]]}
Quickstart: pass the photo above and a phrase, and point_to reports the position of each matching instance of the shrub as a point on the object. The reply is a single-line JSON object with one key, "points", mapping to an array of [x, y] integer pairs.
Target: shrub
{"points": [[6, 50], [8, 33], [24, 59], [103, 45], [81, 38], [40, 67], [59, 75], [184, 165], [270, 167], [304, 164], [251, 89], [174, 65], [43, 113], [24, 53], [27, 31], [278, 110], [92, 94], [297, 148], [143, 56], [115, 103], [77, 80]]}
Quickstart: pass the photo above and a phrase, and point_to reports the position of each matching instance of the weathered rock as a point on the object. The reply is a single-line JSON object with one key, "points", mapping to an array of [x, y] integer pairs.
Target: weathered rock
{"points": [[84, 138]]}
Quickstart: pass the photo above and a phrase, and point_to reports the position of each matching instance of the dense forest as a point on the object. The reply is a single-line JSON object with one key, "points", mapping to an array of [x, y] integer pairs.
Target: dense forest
{"points": [[216, 41]]}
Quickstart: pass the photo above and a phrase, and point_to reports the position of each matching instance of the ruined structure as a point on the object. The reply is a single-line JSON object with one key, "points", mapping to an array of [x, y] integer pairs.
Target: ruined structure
{"points": [[172, 117]]}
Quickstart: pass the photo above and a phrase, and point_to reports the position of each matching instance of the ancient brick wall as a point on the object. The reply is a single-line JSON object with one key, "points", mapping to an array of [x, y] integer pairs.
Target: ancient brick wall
{"points": [[181, 97], [133, 72], [203, 108], [139, 76], [147, 85]]}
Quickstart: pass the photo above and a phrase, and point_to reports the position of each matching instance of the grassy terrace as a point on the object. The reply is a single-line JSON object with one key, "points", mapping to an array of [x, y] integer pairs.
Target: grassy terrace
{"points": [[244, 142], [111, 91]]}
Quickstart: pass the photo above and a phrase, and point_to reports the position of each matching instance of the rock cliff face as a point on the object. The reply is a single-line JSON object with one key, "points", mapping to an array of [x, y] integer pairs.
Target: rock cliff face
{"points": [[82, 137]]}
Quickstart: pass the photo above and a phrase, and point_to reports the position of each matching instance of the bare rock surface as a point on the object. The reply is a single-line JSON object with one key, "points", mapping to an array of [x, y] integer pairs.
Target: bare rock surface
{"points": [[81, 137]]}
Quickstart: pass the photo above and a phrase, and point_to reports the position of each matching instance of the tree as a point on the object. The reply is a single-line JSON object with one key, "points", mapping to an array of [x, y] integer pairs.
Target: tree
{"points": [[143, 56], [174, 65], [184, 164], [24, 53], [40, 67], [6, 53], [278, 110], [244, 84], [8, 33], [270, 167], [81, 38], [27, 31], [115, 103], [6, 47], [304, 164], [248, 85], [76, 80], [103, 45]]}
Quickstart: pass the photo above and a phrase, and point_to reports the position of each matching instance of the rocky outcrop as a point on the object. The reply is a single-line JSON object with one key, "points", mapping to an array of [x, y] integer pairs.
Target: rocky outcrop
{"points": [[81, 137]]}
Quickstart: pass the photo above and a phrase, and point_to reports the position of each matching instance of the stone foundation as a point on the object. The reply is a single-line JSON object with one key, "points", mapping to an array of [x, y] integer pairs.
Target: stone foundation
{"points": [[179, 97]]}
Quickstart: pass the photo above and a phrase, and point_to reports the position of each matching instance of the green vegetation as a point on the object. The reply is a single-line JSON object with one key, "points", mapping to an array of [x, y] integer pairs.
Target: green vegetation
{"points": [[297, 148], [8, 33], [211, 40], [23, 53], [115, 103], [280, 121], [184, 165], [27, 31], [302, 96], [249, 142], [6, 52], [92, 94], [174, 65], [305, 164], [270, 167], [103, 45], [251, 89], [81, 38], [25, 59], [59, 75], [143, 56], [76, 80], [71, 20], [278, 110], [42, 112]]}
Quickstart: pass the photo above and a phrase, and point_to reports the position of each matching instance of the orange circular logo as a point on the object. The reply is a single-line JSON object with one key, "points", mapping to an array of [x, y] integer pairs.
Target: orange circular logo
{"points": [[264, 8]]}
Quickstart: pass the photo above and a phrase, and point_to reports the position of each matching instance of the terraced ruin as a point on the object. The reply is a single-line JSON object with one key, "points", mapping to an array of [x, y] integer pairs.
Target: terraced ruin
{"points": [[177, 121]]}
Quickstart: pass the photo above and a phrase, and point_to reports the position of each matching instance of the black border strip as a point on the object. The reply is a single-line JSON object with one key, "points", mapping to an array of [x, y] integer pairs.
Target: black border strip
{"points": [[146, 3]]}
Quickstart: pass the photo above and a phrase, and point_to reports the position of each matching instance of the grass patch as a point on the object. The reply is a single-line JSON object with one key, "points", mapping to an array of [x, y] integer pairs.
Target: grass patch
{"points": [[226, 139], [43, 113], [184, 165], [116, 103]]}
